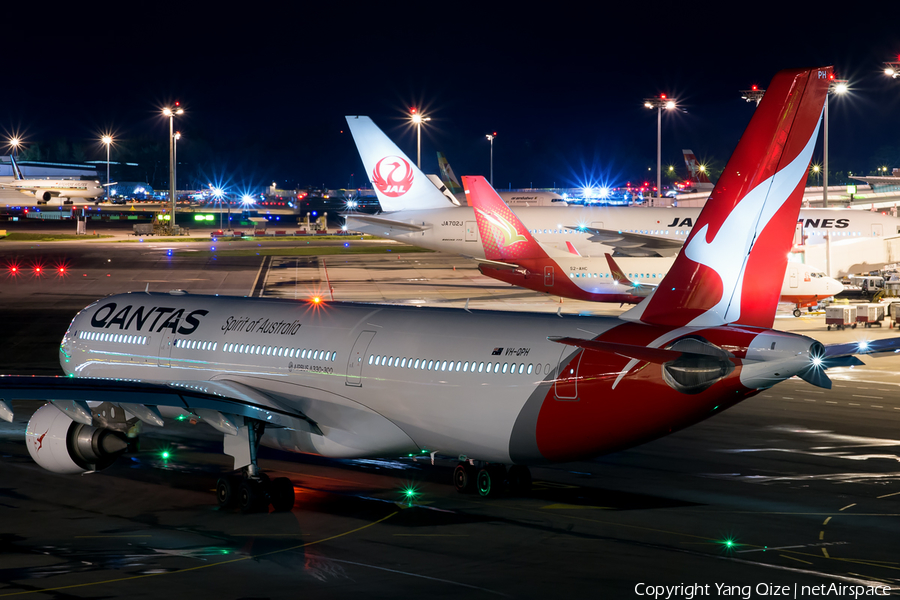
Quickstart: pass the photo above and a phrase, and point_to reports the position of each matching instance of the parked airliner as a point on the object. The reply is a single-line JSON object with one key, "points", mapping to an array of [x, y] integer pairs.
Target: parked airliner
{"points": [[514, 256], [489, 388], [416, 212], [48, 191]]}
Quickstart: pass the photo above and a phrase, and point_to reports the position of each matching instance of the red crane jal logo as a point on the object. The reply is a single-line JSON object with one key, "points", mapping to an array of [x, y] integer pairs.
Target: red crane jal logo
{"points": [[392, 176]]}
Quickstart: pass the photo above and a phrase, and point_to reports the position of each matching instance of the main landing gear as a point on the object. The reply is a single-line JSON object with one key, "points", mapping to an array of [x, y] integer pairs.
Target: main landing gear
{"points": [[253, 490], [491, 479]]}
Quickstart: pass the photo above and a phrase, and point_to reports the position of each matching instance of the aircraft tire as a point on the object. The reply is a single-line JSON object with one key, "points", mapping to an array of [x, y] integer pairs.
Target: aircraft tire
{"points": [[282, 492], [251, 496], [226, 492], [490, 481], [464, 476], [797, 312]]}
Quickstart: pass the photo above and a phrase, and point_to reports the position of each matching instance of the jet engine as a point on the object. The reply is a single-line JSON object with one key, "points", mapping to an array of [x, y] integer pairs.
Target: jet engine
{"points": [[59, 444], [42, 196], [702, 365]]}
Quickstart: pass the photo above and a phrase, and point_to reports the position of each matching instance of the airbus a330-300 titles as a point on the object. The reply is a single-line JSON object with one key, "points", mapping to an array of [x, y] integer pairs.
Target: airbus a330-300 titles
{"points": [[501, 391]]}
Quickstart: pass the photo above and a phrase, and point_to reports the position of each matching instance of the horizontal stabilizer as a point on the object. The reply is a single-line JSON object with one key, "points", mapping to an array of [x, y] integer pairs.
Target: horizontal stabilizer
{"points": [[383, 222], [642, 353], [862, 347]]}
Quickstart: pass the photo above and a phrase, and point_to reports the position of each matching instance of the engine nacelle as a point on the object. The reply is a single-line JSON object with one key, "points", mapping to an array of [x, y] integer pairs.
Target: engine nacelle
{"points": [[42, 195], [59, 444]]}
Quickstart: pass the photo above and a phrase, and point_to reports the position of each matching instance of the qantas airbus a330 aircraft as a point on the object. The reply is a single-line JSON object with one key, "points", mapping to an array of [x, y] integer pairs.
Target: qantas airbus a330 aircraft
{"points": [[491, 388], [514, 256]]}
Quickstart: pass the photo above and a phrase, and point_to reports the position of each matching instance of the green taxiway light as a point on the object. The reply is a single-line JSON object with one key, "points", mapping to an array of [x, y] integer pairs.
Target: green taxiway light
{"points": [[164, 455]]}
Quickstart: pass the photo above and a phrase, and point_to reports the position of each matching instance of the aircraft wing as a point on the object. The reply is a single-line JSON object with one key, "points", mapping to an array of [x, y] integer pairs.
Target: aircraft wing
{"points": [[209, 400], [633, 244], [383, 222], [24, 188], [494, 263]]}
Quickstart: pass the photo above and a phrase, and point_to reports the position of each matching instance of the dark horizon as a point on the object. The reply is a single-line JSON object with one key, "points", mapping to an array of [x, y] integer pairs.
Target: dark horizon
{"points": [[266, 92]]}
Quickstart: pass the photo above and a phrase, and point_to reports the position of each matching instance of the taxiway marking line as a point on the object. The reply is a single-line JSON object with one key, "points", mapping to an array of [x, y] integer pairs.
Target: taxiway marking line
{"points": [[830, 402], [886, 495], [90, 537], [826, 521], [846, 507], [869, 397], [430, 535], [797, 559], [197, 568], [825, 552], [821, 535]]}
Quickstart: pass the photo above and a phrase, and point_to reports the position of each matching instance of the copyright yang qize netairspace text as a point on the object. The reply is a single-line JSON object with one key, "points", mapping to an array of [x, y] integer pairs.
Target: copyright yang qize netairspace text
{"points": [[762, 590]]}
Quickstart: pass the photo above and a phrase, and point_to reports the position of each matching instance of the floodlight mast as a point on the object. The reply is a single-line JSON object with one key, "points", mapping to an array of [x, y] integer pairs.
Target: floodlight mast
{"points": [[171, 113], [417, 120], [490, 137], [839, 87], [659, 103], [108, 140], [754, 94]]}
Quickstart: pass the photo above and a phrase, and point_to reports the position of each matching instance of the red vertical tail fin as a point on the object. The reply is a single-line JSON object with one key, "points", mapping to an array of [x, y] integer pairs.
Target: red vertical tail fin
{"points": [[502, 233], [695, 173], [732, 265]]}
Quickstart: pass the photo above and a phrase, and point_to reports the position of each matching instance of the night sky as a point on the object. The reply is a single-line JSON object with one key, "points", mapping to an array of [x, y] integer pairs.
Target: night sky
{"points": [[266, 87]]}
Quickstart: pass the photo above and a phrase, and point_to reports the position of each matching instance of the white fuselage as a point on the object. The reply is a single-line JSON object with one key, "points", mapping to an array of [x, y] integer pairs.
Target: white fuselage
{"points": [[57, 188], [379, 380], [455, 230], [593, 275]]}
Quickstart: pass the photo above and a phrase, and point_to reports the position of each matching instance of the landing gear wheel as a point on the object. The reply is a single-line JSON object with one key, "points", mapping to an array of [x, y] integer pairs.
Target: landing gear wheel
{"points": [[464, 476], [226, 492], [490, 481], [282, 493], [251, 497], [519, 477], [797, 312]]}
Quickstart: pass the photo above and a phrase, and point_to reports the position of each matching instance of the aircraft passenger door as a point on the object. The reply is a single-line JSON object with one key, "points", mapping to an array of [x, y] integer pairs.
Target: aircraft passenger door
{"points": [[793, 279], [798, 234], [166, 342], [566, 384], [357, 358], [548, 275], [877, 230], [471, 231]]}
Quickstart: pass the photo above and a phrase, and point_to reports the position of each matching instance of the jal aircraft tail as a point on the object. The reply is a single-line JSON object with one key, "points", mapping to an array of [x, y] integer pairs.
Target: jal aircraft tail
{"points": [[502, 233], [398, 183], [732, 265], [447, 175], [17, 172], [695, 174]]}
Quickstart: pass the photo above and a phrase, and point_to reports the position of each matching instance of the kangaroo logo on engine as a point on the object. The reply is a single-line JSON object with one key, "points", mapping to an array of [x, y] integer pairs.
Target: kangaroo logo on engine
{"points": [[137, 320]]}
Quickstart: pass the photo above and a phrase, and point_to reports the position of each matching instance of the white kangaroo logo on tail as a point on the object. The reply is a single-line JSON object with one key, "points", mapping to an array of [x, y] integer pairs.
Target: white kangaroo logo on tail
{"points": [[734, 240]]}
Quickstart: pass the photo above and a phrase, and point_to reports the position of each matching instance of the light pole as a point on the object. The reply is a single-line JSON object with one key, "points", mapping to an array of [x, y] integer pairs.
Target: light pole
{"points": [[418, 119], [14, 143], [490, 137], [217, 194], [171, 113], [659, 104], [754, 94], [839, 87], [107, 139], [175, 139]]}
